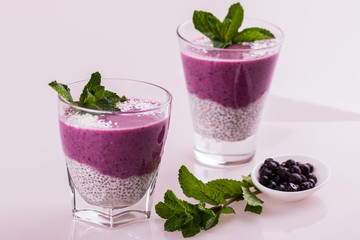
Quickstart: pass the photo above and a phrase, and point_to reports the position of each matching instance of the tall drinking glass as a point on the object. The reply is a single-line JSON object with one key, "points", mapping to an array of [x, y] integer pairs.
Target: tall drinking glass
{"points": [[113, 158], [227, 89]]}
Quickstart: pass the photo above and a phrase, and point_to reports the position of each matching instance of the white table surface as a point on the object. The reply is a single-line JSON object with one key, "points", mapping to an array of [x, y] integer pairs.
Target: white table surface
{"points": [[313, 108], [36, 204]]}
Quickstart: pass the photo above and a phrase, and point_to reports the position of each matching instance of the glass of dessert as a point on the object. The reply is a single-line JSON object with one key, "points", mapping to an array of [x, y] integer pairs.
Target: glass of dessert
{"points": [[113, 155], [228, 75]]}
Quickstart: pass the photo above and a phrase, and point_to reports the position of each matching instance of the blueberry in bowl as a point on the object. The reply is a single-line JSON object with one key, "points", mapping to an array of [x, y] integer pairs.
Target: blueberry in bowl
{"points": [[290, 177]]}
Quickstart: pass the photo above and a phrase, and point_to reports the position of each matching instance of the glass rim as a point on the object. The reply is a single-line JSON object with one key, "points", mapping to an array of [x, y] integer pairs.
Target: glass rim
{"points": [[103, 112], [279, 39]]}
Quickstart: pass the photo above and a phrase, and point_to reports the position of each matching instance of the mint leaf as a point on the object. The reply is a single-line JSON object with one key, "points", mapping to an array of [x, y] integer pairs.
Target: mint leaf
{"points": [[225, 33], [220, 44], [233, 21], [229, 188], [228, 210], [254, 204], [99, 92], [195, 188], [112, 97], [87, 98], [94, 82], [177, 221], [211, 27], [63, 90], [191, 228], [123, 99], [208, 217], [247, 182], [252, 34], [253, 209], [105, 105], [92, 90], [164, 211], [207, 24], [209, 220], [176, 204]]}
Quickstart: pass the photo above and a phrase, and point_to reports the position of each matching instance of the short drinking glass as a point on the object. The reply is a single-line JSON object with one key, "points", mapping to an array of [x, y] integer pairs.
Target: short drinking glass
{"points": [[113, 158]]}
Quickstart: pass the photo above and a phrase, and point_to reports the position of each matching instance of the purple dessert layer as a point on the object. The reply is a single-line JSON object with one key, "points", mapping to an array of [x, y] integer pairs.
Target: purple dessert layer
{"points": [[116, 152], [231, 83]]}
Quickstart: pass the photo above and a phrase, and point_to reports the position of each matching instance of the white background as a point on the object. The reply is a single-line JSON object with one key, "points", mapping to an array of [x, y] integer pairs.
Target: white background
{"points": [[67, 40]]}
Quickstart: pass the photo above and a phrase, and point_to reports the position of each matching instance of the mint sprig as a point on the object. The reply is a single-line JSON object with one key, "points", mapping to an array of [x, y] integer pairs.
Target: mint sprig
{"points": [[93, 96], [225, 33], [190, 218], [63, 90]]}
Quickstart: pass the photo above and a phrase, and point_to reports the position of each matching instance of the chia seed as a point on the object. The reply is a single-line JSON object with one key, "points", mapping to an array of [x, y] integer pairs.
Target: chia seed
{"points": [[107, 191], [212, 120]]}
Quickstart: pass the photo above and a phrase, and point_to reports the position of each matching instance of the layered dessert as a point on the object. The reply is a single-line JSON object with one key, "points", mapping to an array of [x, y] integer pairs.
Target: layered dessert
{"points": [[112, 159], [227, 89]]}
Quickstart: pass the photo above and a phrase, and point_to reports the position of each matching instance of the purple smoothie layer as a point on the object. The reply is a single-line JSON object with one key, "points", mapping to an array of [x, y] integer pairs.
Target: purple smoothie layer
{"points": [[122, 151], [231, 83]]}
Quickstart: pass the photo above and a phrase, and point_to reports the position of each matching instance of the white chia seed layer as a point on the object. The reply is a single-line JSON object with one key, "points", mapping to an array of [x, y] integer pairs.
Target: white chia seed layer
{"points": [[106, 191], [212, 120]]}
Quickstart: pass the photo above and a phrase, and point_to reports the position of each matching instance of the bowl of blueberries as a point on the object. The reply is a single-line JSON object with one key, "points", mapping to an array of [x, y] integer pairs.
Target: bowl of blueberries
{"points": [[290, 178]]}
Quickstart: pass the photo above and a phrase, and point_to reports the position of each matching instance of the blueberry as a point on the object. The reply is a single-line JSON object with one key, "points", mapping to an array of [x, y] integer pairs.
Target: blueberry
{"points": [[303, 178], [266, 172], [295, 178], [283, 172], [295, 169], [306, 186], [264, 180], [271, 163], [289, 163], [281, 187], [305, 169], [292, 187], [277, 178], [311, 167], [312, 181], [271, 184], [312, 176], [269, 160]]}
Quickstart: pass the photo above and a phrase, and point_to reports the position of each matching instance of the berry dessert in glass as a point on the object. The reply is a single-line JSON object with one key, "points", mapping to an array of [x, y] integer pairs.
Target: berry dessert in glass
{"points": [[227, 80], [113, 147]]}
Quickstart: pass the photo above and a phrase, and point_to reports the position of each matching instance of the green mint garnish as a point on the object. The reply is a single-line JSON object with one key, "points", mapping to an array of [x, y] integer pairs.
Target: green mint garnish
{"points": [[93, 96], [190, 218], [63, 90], [253, 34], [225, 33]]}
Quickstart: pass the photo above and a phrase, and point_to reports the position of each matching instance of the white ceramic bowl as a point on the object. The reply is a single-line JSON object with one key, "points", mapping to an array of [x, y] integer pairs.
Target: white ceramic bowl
{"points": [[321, 171]]}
